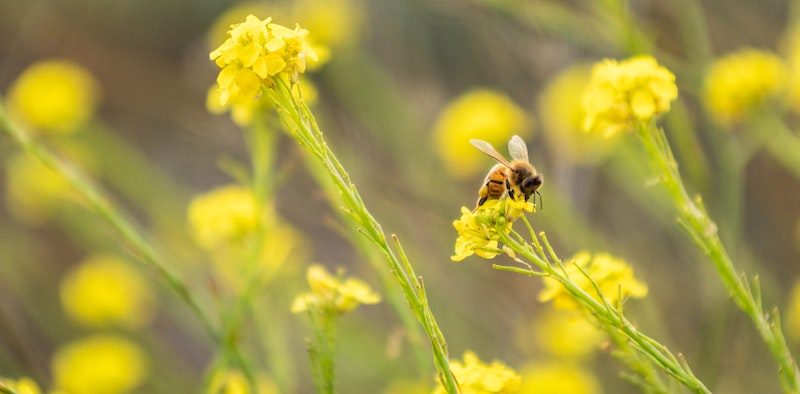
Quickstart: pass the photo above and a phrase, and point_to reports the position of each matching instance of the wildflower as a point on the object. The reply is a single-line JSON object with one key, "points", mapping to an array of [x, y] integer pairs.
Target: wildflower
{"points": [[105, 291], [223, 216], [332, 23], [621, 94], [255, 52], [476, 377], [332, 293], [245, 110], [562, 120], [739, 82], [613, 276], [479, 231], [99, 364], [481, 113], [22, 385], [566, 334], [54, 96], [558, 378]]}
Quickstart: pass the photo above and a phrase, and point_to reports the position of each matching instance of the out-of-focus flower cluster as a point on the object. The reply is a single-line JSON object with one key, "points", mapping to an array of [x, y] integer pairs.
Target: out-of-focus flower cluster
{"points": [[558, 378], [99, 364], [479, 230], [22, 385], [477, 377], [623, 93], [332, 293]]}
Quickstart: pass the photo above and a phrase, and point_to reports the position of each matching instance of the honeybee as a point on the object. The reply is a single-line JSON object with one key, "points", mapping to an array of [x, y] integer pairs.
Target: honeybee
{"points": [[518, 176]]}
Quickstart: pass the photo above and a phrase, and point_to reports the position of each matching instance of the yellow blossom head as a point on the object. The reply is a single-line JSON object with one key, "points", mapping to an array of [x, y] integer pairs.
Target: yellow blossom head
{"points": [[99, 364], [483, 114], [54, 96], [558, 378], [739, 82], [614, 277], [22, 385], [246, 110], [562, 120], [33, 191], [223, 216], [332, 23], [564, 334], [621, 94], [105, 291], [477, 377], [479, 230], [256, 52], [330, 293]]}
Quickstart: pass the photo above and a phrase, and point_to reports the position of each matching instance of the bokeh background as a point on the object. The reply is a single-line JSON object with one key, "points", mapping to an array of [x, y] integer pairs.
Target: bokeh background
{"points": [[407, 83]]}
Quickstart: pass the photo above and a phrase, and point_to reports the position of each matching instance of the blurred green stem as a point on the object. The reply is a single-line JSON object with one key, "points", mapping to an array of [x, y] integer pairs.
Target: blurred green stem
{"points": [[102, 205], [694, 219], [779, 140], [321, 348]]}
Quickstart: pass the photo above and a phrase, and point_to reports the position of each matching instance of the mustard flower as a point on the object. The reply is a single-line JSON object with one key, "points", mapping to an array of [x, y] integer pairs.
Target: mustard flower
{"points": [[223, 216], [483, 114], [558, 377], [22, 385], [478, 231], [255, 52], [566, 334], [477, 377], [614, 277], [245, 110], [99, 364], [737, 83], [54, 96], [333, 293], [105, 291], [623, 93]]}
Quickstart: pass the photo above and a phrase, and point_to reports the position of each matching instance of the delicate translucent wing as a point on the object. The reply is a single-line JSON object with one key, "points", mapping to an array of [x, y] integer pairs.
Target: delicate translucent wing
{"points": [[517, 149], [489, 150]]}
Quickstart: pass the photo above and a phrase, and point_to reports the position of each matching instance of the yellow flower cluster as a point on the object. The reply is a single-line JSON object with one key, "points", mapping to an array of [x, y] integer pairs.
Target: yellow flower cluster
{"points": [[19, 386], [245, 110], [257, 51], [737, 83], [332, 293], [479, 230], [613, 276], [476, 377], [105, 291], [223, 216], [481, 113], [566, 334], [99, 364], [558, 377], [623, 93], [54, 96]]}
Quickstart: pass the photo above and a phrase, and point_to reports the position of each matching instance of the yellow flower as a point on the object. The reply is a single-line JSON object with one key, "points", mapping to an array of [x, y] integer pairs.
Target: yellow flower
{"points": [[614, 277], [99, 364], [332, 23], [481, 113], [621, 94], [333, 293], [558, 378], [562, 120], [20, 386], [245, 110], [476, 377], [232, 381], [105, 291], [223, 216], [33, 190], [478, 230], [54, 96], [255, 52], [793, 313], [566, 334], [739, 82]]}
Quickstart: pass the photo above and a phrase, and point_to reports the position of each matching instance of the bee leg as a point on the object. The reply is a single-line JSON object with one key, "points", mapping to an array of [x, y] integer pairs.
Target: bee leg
{"points": [[482, 200], [541, 204]]}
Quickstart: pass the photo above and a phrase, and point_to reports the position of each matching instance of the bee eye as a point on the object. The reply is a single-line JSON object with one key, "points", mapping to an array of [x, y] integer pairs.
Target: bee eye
{"points": [[537, 180], [528, 183]]}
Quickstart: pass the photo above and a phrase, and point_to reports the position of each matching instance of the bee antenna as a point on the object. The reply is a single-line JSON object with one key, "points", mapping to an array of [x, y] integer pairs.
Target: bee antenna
{"points": [[541, 203]]}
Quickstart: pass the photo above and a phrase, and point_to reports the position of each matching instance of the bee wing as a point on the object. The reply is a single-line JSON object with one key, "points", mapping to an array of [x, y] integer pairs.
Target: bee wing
{"points": [[489, 150], [517, 149]]}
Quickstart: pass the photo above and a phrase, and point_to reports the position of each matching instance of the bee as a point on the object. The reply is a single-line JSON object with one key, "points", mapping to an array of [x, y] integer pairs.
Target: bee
{"points": [[508, 179]]}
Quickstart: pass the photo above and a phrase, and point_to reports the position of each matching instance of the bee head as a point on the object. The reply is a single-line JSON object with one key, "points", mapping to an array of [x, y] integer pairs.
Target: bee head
{"points": [[532, 184]]}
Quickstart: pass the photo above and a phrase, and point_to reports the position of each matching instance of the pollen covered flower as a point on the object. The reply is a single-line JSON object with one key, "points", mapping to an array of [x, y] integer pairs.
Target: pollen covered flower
{"points": [[483, 114], [478, 231], [99, 364], [222, 216], [737, 83], [257, 51], [333, 293], [54, 96], [558, 377], [622, 93], [614, 277], [22, 385], [477, 377], [105, 291]]}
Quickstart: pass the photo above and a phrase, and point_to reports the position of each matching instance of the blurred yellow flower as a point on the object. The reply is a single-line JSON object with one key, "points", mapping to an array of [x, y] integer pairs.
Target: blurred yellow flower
{"points": [[478, 230], [613, 275], [245, 110], [99, 364], [793, 313], [255, 52], [738, 82], [792, 44], [562, 120], [566, 334], [33, 190], [22, 385], [333, 293], [558, 378], [481, 113], [222, 216], [232, 381], [54, 96], [622, 93], [105, 291], [332, 23], [476, 377]]}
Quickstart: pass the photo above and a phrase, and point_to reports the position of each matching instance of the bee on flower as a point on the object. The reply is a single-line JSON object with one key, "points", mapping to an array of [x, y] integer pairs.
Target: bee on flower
{"points": [[479, 230], [477, 377]]}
